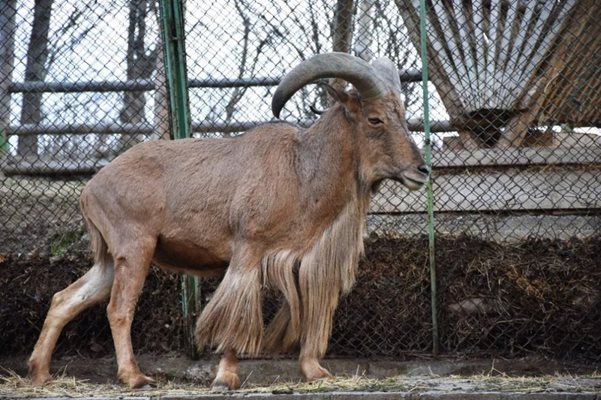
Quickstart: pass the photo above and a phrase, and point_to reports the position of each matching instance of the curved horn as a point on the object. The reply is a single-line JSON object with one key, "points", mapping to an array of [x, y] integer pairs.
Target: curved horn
{"points": [[388, 71], [329, 65]]}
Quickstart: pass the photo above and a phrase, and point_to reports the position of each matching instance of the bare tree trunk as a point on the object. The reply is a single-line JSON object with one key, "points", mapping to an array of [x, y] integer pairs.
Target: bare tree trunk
{"points": [[140, 65], [342, 33], [161, 97], [365, 29], [35, 70], [238, 93], [343, 26], [7, 45]]}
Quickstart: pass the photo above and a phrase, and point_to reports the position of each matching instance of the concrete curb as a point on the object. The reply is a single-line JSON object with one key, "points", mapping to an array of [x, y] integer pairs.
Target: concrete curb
{"points": [[360, 395]]}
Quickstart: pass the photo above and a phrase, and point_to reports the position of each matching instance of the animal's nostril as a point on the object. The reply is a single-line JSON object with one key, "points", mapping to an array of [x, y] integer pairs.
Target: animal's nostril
{"points": [[424, 169]]}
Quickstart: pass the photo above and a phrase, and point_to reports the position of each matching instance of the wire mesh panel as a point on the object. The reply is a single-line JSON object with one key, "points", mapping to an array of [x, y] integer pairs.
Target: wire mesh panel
{"points": [[493, 65], [514, 98], [516, 185], [78, 86], [76, 91], [506, 170]]}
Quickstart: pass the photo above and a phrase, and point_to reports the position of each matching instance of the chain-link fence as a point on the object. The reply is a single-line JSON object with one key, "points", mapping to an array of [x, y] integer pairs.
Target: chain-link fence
{"points": [[514, 95]]}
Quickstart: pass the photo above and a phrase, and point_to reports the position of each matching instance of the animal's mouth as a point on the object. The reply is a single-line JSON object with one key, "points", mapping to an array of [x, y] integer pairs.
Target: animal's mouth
{"points": [[413, 180]]}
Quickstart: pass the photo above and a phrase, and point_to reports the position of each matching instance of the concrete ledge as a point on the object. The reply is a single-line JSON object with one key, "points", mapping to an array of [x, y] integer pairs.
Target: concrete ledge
{"points": [[360, 395], [496, 228], [179, 378]]}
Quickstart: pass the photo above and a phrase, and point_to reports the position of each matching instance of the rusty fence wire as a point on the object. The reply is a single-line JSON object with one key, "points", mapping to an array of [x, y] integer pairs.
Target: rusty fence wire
{"points": [[515, 115]]}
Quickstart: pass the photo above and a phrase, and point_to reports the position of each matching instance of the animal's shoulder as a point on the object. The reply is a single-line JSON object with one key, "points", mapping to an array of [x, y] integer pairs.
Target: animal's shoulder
{"points": [[279, 128]]}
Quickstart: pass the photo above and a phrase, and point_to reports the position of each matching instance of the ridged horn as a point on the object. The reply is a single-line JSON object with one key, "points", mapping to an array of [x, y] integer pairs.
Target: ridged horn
{"points": [[388, 71], [329, 65]]}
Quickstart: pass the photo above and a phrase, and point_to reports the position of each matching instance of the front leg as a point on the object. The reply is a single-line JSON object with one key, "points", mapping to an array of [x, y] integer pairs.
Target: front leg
{"points": [[227, 374], [233, 319], [319, 304], [311, 370]]}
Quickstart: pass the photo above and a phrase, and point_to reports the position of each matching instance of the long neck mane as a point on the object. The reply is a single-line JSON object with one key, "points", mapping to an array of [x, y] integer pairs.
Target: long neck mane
{"points": [[329, 168], [329, 153], [327, 266]]}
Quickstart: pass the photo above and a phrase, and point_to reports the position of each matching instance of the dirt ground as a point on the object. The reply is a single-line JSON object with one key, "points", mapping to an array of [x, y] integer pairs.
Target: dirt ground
{"points": [[180, 376], [539, 297]]}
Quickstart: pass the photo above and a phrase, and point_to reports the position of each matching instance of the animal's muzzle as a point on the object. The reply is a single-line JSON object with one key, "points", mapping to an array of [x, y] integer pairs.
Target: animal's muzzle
{"points": [[424, 169], [414, 179]]}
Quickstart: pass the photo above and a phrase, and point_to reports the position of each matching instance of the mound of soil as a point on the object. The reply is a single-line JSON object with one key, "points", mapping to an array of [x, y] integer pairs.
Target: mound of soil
{"points": [[28, 283], [502, 300], [539, 296]]}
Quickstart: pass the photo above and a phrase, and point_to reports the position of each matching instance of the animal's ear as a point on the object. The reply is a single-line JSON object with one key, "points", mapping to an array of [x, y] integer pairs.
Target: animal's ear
{"points": [[347, 100], [335, 94]]}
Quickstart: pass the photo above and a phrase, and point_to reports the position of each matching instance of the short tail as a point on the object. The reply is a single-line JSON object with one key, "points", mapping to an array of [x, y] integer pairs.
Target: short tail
{"points": [[97, 242]]}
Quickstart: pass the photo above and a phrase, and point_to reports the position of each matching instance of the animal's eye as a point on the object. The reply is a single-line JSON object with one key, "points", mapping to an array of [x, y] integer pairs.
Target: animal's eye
{"points": [[375, 121]]}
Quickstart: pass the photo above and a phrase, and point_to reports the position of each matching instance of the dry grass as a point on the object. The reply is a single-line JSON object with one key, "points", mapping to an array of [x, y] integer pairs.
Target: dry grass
{"points": [[338, 384], [14, 386]]}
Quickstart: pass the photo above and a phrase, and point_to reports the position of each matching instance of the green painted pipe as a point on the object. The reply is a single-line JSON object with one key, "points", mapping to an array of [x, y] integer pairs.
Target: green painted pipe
{"points": [[430, 196], [174, 53]]}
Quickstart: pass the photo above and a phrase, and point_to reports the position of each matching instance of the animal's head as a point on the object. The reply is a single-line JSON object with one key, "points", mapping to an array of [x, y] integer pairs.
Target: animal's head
{"points": [[374, 110]]}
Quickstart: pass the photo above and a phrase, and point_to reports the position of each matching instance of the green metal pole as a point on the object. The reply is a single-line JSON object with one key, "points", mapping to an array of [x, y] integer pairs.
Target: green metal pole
{"points": [[430, 197], [173, 33], [3, 142], [174, 51]]}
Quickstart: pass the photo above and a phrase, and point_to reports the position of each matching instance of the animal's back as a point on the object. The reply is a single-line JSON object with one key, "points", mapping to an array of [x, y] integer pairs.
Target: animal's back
{"points": [[189, 212]]}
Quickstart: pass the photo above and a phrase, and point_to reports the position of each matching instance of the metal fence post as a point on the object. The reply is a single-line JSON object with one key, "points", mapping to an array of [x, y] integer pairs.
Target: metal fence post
{"points": [[7, 36], [172, 32], [174, 53], [430, 199]]}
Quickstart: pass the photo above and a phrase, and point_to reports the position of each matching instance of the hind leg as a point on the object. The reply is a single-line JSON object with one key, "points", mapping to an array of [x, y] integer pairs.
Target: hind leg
{"points": [[131, 267], [92, 288], [227, 374]]}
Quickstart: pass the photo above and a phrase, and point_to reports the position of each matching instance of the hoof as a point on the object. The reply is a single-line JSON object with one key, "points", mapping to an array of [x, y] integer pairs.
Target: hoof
{"points": [[142, 382], [219, 387], [225, 381], [39, 379], [312, 371], [139, 381], [38, 376], [320, 374]]}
